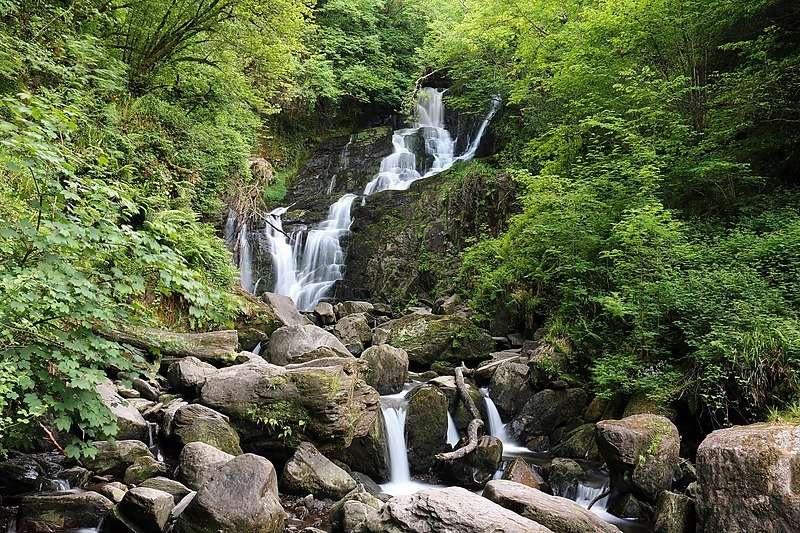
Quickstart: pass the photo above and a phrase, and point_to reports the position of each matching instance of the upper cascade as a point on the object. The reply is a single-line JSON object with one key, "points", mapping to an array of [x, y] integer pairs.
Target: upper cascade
{"points": [[307, 263]]}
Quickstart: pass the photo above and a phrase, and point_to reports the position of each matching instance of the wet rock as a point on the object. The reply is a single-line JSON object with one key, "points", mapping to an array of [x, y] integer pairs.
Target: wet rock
{"points": [[130, 423], [547, 410], [749, 479], [351, 308], [509, 388], [188, 375], [77, 476], [479, 466], [325, 314], [146, 389], [143, 468], [174, 488], [299, 343], [426, 427], [142, 509], [447, 384], [60, 511], [198, 423], [310, 472], [354, 331], [385, 368], [115, 457], [429, 338], [114, 490], [329, 403], [338, 511], [23, 473], [240, 497], [558, 514], [369, 453], [197, 461], [519, 471], [641, 452], [674, 514], [565, 476], [578, 444], [367, 482], [452, 510]]}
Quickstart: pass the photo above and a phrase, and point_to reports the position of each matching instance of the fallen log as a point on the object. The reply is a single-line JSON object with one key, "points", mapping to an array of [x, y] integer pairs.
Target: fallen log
{"points": [[463, 393], [472, 443], [214, 346]]}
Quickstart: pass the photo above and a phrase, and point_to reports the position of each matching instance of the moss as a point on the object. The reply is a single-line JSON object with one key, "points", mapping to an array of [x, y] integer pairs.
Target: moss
{"points": [[284, 419]]}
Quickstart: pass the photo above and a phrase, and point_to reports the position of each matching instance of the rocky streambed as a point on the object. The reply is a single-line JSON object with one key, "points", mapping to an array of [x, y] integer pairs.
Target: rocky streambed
{"points": [[356, 418]]}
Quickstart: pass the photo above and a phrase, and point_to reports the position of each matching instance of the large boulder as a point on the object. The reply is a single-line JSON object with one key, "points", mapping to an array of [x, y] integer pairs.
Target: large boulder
{"points": [[749, 479], [325, 314], [579, 443], [285, 309], [114, 457], [674, 514], [299, 343], [476, 468], [547, 410], [198, 461], [61, 511], [426, 427], [641, 452], [198, 423], [428, 338], [188, 375], [141, 509], [354, 331], [452, 510], [272, 406], [385, 368], [559, 514], [143, 468], [348, 308], [240, 497], [368, 454], [310, 472], [509, 388], [130, 423], [176, 489], [519, 471], [358, 494]]}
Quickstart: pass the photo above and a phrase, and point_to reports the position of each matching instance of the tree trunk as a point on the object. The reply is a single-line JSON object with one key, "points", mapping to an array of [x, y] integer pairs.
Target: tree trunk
{"points": [[214, 346]]}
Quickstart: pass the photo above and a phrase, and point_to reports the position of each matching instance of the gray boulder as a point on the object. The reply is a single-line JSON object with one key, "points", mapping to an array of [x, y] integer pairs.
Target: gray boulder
{"points": [[350, 308], [114, 457], [558, 514], [641, 452], [285, 309], [197, 461], [130, 423], [338, 511], [509, 388], [547, 410], [479, 466], [142, 509], [325, 314], [143, 468], [299, 343], [426, 427], [198, 423], [148, 390], [188, 375], [354, 331], [749, 479], [452, 510], [310, 472], [519, 471], [240, 497], [60, 511], [174, 488], [674, 514], [385, 368], [579, 443], [368, 453]]}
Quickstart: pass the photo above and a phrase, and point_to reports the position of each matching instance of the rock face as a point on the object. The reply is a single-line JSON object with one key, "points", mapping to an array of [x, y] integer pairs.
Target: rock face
{"points": [[426, 427], [198, 423], [509, 388], [641, 452], [479, 466], [284, 309], [385, 368], [749, 479], [198, 461], [130, 424], [240, 497], [300, 343], [188, 375], [559, 514], [310, 472], [674, 514], [329, 404], [428, 338], [368, 454], [354, 332], [547, 410], [452, 510], [59, 511]]}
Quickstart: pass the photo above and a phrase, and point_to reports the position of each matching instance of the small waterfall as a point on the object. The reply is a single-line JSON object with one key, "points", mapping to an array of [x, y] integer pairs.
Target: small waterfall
{"points": [[245, 260], [452, 432], [586, 494], [498, 429], [395, 419], [257, 349], [283, 256], [344, 157], [476, 142]]}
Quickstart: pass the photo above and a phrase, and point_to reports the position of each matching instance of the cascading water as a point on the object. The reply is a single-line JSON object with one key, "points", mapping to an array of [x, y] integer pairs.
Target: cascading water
{"points": [[498, 429], [307, 264], [452, 432]]}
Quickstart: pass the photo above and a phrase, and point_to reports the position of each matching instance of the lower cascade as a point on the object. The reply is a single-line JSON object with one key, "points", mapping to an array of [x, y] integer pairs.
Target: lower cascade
{"points": [[307, 263]]}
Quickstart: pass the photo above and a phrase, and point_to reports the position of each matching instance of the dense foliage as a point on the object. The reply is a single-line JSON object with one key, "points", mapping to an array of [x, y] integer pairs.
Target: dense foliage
{"points": [[657, 141]]}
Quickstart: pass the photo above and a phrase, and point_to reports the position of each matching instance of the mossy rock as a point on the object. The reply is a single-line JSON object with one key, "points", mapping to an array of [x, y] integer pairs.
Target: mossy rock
{"points": [[426, 427]]}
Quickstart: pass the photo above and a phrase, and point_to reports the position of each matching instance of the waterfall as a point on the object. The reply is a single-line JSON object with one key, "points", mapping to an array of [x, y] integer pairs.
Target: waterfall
{"points": [[586, 494], [498, 429], [395, 419], [306, 265], [452, 432], [245, 260]]}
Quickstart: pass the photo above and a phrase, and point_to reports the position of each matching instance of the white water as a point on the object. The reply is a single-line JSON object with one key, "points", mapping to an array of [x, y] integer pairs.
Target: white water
{"points": [[452, 432], [305, 266], [498, 429]]}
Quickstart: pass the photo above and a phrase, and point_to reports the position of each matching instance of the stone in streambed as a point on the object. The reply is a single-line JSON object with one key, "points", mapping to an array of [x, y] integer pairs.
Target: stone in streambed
{"points": [[114, 457], [338, 511], [198, 423], [310, 472], [130, 423], [519, 471], [547, 410], [60, 511], [188, 375], [143, 468], [348, 308], [239, 497], [426, 427], [325, 314], [299, 343], [141, 510], [558, 514], [480, 465], [675, 513], [174, 488], [354, 331], [509, 388], [368, 453], [385, 368], [198, 461]]}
